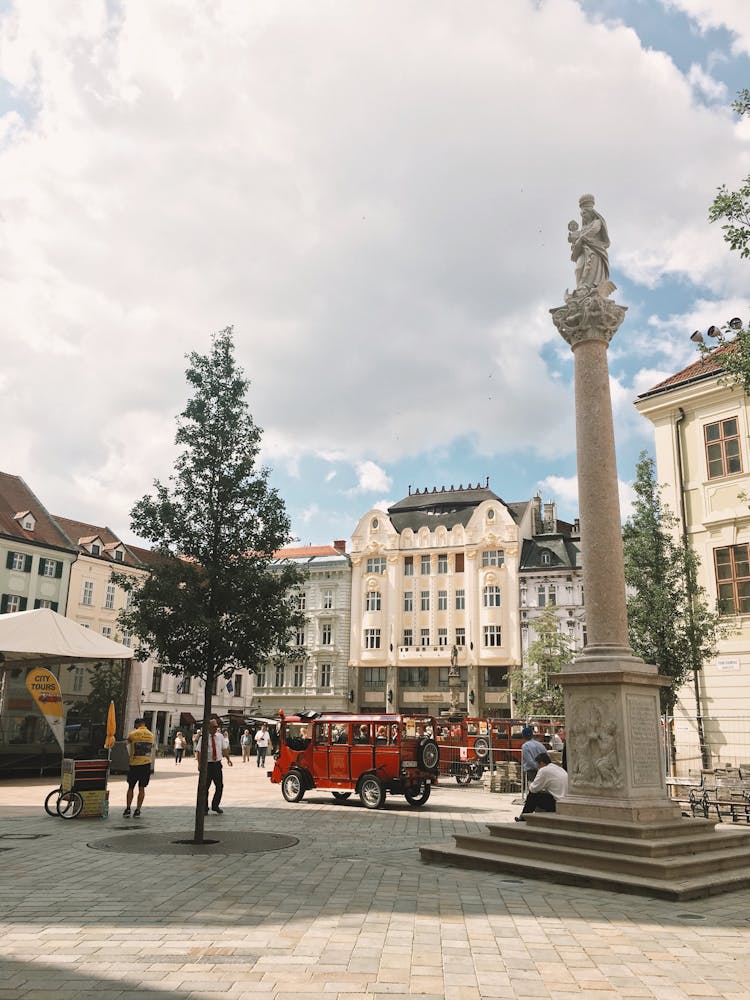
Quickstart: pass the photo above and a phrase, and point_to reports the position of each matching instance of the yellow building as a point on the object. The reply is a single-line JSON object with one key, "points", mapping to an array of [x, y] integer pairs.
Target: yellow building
{"points": [[702, 442], [435, 573]]}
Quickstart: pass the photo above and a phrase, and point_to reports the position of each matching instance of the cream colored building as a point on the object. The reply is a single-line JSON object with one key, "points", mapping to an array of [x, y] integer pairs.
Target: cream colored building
{"points": [[438, 570], [702, 441]]}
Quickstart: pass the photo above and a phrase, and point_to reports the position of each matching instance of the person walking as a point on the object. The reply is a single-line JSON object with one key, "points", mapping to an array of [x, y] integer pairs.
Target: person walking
{"points": [[179, 747], [218, 750], [262, 739], [246, 742], [140, 745]]}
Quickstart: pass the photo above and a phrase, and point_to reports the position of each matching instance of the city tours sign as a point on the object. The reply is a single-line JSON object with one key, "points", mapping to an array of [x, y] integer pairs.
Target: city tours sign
{"points": [[45, 690]]}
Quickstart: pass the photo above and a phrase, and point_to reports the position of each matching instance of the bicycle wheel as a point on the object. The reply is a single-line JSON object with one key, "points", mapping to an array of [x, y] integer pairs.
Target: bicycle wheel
{"points": [[50, 803], [69, 805]]}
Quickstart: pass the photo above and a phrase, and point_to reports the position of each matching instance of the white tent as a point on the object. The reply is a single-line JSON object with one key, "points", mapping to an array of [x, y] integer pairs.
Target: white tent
{"points": [[37, 638]]}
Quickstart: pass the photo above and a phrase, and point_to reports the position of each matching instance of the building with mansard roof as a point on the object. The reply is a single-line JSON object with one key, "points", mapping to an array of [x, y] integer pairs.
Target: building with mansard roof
{"points": [[437, 572]]}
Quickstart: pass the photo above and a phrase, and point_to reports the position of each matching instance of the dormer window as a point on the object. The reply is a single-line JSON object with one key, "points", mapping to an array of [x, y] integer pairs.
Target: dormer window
{"points": [[545, 559], [118, 555], [95, 549], [26, 519]]}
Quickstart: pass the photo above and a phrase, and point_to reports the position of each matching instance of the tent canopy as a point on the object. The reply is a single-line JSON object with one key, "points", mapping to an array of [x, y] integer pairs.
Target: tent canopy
{"points": [[36, 638]]}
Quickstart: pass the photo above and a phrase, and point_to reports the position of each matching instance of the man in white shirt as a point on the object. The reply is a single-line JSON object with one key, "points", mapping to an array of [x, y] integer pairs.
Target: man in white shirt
{"points": [[218, 748], [262, 739], [549, 785]]}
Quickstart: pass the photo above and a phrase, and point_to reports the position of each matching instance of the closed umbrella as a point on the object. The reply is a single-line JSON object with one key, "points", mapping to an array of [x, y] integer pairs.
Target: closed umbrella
{"points": [[111, 724]]}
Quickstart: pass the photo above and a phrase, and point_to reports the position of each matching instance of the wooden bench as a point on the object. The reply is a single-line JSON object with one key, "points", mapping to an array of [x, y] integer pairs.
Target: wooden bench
{"points": [[729, 800]]}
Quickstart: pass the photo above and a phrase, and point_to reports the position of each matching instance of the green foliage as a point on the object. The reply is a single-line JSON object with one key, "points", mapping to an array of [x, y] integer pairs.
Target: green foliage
{"points": [[734, 206], [106, 683], [669, 622], [212, 603], [732, 356], [534, 689]]}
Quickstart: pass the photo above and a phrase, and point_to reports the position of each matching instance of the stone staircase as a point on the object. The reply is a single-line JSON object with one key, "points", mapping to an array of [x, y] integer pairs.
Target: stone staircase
{"points": [[672, 859]]}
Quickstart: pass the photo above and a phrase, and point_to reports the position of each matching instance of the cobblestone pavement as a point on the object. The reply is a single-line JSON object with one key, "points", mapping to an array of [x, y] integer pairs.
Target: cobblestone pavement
{"points": [[349, 911]]}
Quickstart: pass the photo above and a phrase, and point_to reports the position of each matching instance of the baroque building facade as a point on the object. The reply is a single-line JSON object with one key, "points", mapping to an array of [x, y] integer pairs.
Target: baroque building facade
{"points": [[436, 576], [702, 453], [316, 677]]}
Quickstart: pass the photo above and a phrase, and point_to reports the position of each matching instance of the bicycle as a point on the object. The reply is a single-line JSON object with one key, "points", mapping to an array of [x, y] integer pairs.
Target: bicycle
{"points": [[61, 803]]}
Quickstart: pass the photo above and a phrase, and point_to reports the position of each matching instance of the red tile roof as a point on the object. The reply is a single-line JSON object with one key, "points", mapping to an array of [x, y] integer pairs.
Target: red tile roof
{"points": [[704, 367], [16, 496], [307, 552], [82, 533]]}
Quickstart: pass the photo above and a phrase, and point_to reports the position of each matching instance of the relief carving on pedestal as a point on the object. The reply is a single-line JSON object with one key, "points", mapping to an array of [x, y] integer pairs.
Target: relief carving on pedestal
{"points": [[595, 744]]}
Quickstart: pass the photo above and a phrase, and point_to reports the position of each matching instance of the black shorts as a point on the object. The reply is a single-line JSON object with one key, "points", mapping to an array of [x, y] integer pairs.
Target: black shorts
{"points": [[139, 774]]}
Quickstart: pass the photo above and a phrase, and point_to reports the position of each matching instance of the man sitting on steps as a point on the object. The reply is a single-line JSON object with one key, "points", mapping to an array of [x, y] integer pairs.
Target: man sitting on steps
{"points": [[549, 785]]}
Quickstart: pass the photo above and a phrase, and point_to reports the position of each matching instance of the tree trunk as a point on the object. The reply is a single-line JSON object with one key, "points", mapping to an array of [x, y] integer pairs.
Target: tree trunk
{"points": [[201, 795]]}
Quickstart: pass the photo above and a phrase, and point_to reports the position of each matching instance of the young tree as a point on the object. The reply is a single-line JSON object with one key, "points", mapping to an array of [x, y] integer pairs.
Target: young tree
{"points": [[534, 689], [212, 603], [669, 622]]}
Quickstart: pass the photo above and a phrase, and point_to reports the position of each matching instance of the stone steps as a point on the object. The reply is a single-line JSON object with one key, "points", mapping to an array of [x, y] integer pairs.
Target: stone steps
{"points": [[671, 859]]}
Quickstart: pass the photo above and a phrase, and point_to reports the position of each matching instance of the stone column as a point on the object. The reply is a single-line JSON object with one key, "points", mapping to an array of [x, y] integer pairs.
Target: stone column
{"points": [[615, 758]]}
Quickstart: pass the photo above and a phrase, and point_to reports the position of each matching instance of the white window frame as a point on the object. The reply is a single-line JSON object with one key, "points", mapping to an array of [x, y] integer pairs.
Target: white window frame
{"points": [[493, 636], [87, 595], [372, 638], [372, 600], [491, 596]]}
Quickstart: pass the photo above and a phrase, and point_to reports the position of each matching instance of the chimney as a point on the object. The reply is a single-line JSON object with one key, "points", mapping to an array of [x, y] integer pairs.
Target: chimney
{"points": [[340, 545]]}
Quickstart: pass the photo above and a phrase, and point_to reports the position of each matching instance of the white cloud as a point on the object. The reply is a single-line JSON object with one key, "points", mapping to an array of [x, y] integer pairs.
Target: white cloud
{"points": [[371, 478], [376, 196], [733, 15], [564, 489]]}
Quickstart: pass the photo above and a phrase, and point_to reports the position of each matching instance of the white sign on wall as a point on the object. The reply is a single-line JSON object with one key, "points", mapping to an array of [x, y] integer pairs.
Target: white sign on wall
{"points": [[728, 663]]}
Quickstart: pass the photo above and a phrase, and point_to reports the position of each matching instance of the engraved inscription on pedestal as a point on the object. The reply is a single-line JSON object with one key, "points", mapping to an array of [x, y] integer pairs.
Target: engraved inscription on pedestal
{"points": [[595, 744], [643, 727]]}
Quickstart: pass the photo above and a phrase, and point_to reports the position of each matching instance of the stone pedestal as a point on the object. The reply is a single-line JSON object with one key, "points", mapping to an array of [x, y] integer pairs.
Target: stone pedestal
{"points": [[617, 827]]}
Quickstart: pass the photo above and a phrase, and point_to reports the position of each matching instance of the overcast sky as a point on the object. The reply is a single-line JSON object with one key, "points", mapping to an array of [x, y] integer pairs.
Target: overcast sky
{"points": [[376, 195]]}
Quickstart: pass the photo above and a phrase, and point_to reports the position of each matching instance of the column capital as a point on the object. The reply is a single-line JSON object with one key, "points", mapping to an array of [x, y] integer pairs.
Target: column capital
{"points": [[588, 316]]}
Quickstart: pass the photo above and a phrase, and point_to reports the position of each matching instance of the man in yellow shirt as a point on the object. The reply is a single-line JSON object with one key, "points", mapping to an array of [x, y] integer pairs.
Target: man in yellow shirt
{"points": [[140, 744]]}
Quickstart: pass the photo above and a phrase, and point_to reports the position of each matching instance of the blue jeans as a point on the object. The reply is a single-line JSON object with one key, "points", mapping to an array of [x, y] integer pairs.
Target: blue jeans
{"points": [[261, 756]]}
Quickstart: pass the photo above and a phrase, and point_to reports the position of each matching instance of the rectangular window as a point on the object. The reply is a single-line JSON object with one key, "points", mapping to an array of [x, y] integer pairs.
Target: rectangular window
{"points": [[372, 601], [326, 634], [443, 563], [125, 637], [424, 597], [185, 684], [301, 601], [260, 676], [18, 561], [459, 559], [442, 600], [460, 600], [408, 637], [460, 637], [492, 635], [48, 567], [424, 637], [107, 631], [408, 565], [408, 600], [541, 596], [442, 637], [299, 637], [299, 674], [424, 567], [414, 677], [96, 549], [87, 597], [496, 677], [156, 677], [327, 600], [372, 638], [119, 556], [13, 603], [723, 448], [376, 564], [325, 675], [238, 685], [79, 676], [493, 557], [491, 597], [279, 675], [733, 579], [46, 604], [109, 596], [552, 594], [373, 678]]}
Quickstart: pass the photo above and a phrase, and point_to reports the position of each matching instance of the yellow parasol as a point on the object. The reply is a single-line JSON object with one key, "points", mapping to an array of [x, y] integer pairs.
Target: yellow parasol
{"points": [[111, 723]]}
